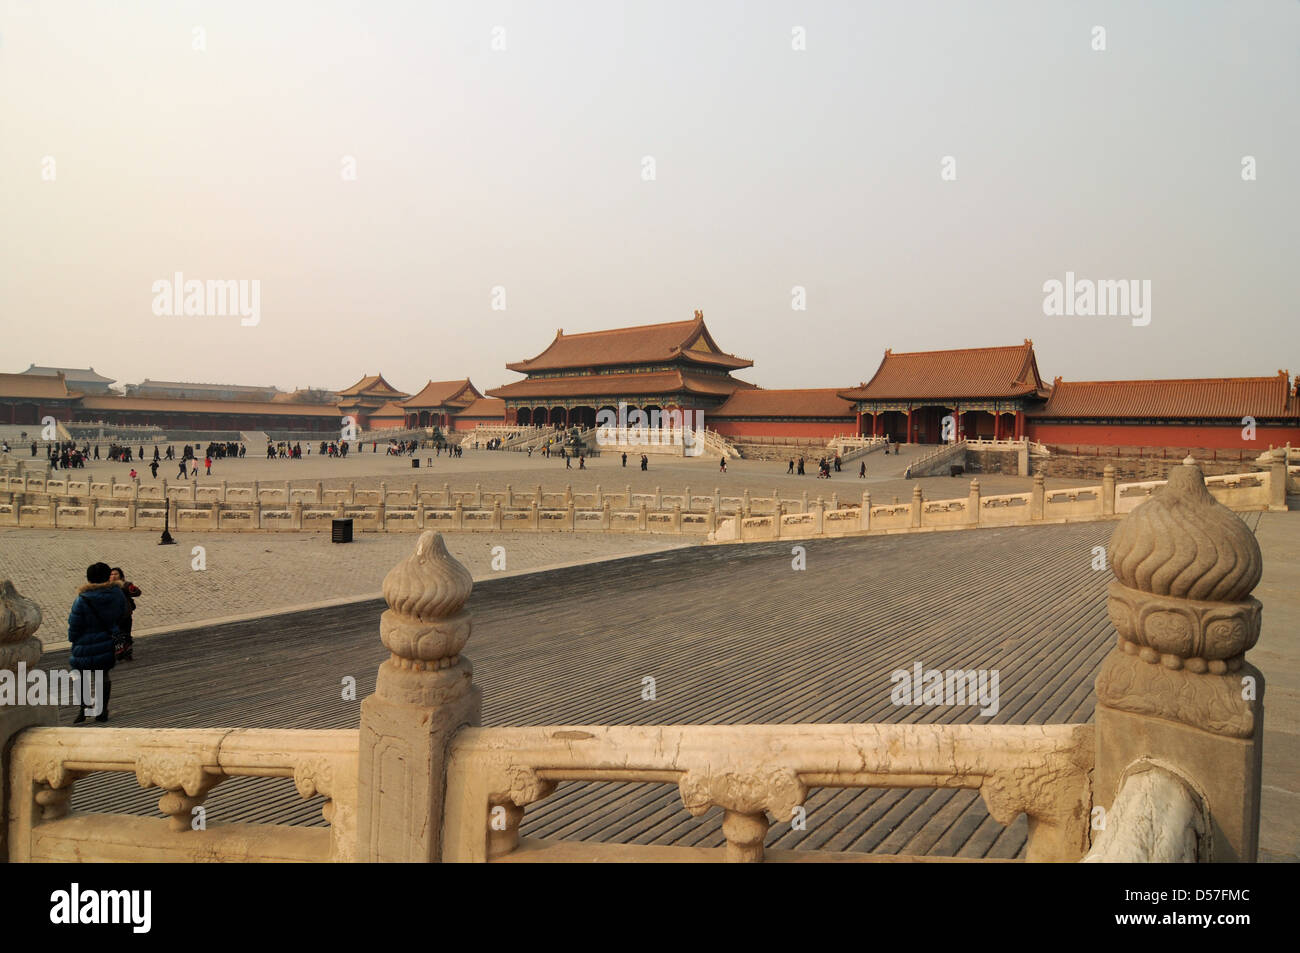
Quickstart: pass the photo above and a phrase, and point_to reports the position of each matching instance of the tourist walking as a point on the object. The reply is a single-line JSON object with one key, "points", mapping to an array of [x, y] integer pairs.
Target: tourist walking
{"points": [[153, 469], [790, 468], [207, 463], [722, 464], [123, 645], [625, 459], [862, 471], [800, 471], [181, 474], [645, 462], [92, 626]]}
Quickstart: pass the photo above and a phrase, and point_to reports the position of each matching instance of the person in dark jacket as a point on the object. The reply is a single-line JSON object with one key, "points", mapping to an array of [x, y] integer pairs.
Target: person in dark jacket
{"points": [[94, 620]]}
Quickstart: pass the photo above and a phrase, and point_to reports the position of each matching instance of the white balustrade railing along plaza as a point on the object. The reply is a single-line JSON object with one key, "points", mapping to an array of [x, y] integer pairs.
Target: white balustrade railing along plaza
{"points": [[46, 501]]}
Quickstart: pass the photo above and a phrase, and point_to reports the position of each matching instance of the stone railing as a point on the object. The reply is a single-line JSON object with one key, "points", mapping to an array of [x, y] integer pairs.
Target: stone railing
{"points": [[48, 503], [937, 460], [751, 771], [1242, 492], [1170, 770], [851, 448], [185, 764]]}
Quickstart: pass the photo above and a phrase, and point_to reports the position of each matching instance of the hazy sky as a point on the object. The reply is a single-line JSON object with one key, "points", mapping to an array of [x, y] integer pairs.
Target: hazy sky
{"points": [[522, 168]]}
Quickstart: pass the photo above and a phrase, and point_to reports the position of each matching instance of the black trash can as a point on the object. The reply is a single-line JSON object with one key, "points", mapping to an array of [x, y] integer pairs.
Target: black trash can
{"points": [[341, 531], [415, 463]]}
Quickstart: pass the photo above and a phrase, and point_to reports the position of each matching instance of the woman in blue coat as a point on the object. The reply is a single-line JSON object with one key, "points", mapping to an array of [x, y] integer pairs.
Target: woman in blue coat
{"points": [[95, 619]]}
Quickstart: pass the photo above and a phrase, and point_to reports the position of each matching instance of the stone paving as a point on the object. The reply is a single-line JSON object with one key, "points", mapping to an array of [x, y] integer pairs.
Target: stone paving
{"points": [[265, 572]]}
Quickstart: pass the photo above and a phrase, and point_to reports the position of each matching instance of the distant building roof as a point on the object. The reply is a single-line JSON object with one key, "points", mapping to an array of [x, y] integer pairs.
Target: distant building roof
{"points": [[1230, 397], [77, 375], [35, 386], [392, 409], [193, 386], [757, 402], [485, 407], [374, 386], [183, 405], [606, 385], [645, 344], [966, 372], [442, 393]]}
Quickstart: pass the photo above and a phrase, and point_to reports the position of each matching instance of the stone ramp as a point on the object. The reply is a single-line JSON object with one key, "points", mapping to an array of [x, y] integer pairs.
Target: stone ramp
{"points": [[779, 646]]}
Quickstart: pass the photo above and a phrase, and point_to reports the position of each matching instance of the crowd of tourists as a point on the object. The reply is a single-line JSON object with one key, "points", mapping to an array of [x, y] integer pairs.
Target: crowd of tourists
{"points": [[99, 628]]}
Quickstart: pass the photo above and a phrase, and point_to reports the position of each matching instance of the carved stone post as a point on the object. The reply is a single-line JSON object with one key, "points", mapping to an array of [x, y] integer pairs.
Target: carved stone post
{"points": [[1276, 461], [320, 491], [1108, 491], [677, 518], [568, 493], [352, 493], [423, 696], [803, 502], [819, 517], [1177, 690], [973, 503], [458, 516], [711, 524], [1036, 498], [534, 517], [606, 516], [446, 494], [717, 499], [223, 491], [478, 496], [19, 619], [297, 514], [643, 524], [917, 502], [419, 515], [497, 518], [510, 495], [865, 516]]}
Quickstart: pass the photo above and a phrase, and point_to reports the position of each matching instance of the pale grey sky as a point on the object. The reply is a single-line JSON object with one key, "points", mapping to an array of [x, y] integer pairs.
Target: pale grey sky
{"points": [[522, 168]]}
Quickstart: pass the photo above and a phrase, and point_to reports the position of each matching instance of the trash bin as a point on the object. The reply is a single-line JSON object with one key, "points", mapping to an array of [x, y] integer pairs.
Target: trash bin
{"points": [[956, 470], [415, 463], [341, 531]]}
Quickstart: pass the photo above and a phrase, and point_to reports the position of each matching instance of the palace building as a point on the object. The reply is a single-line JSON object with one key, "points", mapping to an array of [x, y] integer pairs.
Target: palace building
{"points": [[367, 396], [988, 392], [655, 367]]}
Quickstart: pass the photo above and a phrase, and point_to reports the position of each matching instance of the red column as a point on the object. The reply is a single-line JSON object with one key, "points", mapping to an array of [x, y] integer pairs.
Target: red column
{"points": [[909, 425], [997, 425]]}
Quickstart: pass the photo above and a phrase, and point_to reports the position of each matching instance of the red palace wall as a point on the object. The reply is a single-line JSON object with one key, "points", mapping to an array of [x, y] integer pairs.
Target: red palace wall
{"points": [[1160, 435], [773, 428]]}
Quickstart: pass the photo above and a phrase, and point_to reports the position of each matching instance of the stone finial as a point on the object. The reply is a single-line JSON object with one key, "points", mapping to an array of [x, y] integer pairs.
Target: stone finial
{"points": [[20, 617], [426, 623], [1184, 567]]}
